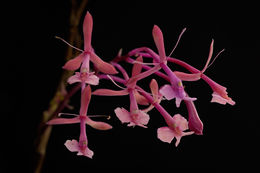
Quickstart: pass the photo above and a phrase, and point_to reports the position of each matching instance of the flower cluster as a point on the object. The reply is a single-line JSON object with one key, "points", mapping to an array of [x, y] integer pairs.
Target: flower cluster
{"points": [[176, 126]]}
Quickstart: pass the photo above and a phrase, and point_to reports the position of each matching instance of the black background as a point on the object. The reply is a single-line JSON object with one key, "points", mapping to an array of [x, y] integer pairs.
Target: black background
{"points": [[230, 132]]}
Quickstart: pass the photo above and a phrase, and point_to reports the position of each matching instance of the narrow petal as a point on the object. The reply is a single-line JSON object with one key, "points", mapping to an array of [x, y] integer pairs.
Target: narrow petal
{"points": [[74, 63], [92, 80], [165, 134], [209, 57], [187, 76], [102, 65], [123, 115], [141, 100], [132, 81], [108, 92], [87, 31], [158, 39], [72, 145], [167, 92], [137, 68], [98, 125], [85, 99], [57, 121], [154, 89], [73, 79]]}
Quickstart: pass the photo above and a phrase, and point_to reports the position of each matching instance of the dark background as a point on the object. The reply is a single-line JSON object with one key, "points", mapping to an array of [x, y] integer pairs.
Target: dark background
{"points": [[230, 132]]}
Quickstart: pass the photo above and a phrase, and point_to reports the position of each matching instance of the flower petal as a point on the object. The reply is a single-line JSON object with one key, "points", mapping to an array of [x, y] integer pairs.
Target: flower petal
{"points": [[85, 99], [158, 39], [123, 115], [142, 118], [73, 79], [109, 92], [141, 100], [57, 121], [92, 80], [74, 63], [88, 153], [137, 68], [218, 99], [102, 65], [87, 31], [98, 125], [167, 92], [165, 134], [72, 145], [187, 76], [154, 89]]}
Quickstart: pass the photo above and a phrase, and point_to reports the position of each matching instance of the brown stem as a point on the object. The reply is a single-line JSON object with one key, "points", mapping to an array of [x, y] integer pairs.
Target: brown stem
{"points": [[61, 98]]}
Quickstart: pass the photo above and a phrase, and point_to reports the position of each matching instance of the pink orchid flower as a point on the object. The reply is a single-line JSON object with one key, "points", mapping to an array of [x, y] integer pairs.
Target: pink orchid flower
{"points": [[135, 116], [176, 127], [75, 63], [82, 146], [219, 94], [84, 76], [176, 89]]}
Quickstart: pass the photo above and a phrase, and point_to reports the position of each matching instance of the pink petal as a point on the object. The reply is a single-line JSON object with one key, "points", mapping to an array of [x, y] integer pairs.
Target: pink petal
{"points": [[85, 99], [137, 68], [102, 65], [98, 125], [57, 121], [123, 115], [167, 92], [73, 79], [165, 134], [72, 145], [195, 124], [141, 100], [154, 89], [187, 76], [88, 153], [74, 63], [132, 81], [92, 80], [108, 92], [158, 39], [142, 118], [180, 122], [209, 57], [218, 99], [87, 31]]}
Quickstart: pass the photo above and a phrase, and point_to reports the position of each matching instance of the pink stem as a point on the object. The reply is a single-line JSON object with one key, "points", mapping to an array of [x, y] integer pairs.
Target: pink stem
{"points": [[121, 69]]}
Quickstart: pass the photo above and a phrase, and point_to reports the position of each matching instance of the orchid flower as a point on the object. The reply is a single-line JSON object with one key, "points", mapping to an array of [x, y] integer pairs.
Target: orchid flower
{"points": [[176, 127], [176, 124], [135, 116], [88, 52], [82, 118], [219, 94], [176, 89]]}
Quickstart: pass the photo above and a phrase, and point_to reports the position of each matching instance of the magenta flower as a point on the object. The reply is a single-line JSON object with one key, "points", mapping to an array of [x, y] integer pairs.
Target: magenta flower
{"points": [[176, 127], [82, 146], [75, 63]]}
